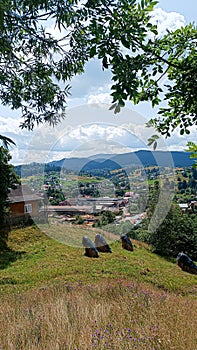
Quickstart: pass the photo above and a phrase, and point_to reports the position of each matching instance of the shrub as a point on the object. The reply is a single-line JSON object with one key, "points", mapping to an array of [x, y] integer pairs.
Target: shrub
{"points": [[177, 233]]}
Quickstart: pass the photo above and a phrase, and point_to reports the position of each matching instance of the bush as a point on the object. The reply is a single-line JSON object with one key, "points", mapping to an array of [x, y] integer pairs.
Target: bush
{"points": [[177, 233], [79, 220]]}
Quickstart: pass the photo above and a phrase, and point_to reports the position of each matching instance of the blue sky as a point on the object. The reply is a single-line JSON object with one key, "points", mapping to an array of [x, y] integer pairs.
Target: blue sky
{"points": [[188, 8], [89, 127]]}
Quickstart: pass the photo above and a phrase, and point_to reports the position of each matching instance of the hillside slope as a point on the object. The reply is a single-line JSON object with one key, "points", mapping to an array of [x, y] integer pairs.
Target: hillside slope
{"points": [[35, 259]]}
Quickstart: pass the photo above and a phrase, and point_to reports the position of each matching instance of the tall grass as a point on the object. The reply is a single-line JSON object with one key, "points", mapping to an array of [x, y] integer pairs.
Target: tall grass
{"points": [[55, 298], [103, 316]]}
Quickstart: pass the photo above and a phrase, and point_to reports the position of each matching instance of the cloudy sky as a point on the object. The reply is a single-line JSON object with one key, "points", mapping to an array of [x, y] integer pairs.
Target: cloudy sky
{"points": [[90, 128]]}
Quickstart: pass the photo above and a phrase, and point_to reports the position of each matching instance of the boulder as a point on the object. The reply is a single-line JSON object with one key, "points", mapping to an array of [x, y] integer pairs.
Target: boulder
{"points": [[101, 244], [90, 249], [126, 243], [186, 263]]}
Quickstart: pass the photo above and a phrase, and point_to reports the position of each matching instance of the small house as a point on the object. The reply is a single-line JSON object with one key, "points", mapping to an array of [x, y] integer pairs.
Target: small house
{"points": [[23, 202]]}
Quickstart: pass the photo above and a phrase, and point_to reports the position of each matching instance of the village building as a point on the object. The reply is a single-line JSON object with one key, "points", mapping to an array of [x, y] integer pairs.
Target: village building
{"points": [[23, 202]]}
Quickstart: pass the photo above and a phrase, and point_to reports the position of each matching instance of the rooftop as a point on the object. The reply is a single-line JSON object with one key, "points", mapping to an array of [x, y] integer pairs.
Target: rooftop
{"points": [[22, 193]]}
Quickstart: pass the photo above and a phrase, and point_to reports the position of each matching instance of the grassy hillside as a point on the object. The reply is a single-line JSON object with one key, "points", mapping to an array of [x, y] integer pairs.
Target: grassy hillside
{"points": [[53, 297], [36, 259]]}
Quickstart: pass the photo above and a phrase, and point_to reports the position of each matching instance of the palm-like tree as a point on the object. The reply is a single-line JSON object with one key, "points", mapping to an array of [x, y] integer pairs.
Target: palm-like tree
{"points": [[6, 141]]}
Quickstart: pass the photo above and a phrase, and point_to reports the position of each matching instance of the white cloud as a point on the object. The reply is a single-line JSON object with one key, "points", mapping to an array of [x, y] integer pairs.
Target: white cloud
{"points": [[99, 98], [167, 20], [87, 130], [9, 124], [100, 136], [95, 147], [179, 142]]}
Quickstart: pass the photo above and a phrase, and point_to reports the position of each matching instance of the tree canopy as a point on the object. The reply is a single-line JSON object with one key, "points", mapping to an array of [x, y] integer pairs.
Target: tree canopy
{"points": [[176, 233], [9, 179], [119, 33]]}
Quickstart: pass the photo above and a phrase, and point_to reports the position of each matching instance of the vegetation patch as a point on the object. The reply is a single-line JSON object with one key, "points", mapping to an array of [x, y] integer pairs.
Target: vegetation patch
{"points": [[54, 297], [35, 259]]}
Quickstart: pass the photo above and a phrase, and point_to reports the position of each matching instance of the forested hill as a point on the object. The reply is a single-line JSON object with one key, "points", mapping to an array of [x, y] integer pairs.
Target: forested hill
{"points": [[142, 157], [139, 158]]}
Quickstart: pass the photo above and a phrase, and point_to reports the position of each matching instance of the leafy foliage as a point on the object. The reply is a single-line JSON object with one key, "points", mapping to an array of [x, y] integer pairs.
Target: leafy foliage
{"points": [[6, 141], [177, 233], [28, 65], [192, 147], [120, 34], [180, 49], [106, 218], [153, 141], [31, 58], [34, 63], [8, 180]]}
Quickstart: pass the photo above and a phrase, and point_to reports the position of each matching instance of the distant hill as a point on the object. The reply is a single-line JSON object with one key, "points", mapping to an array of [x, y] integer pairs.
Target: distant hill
{"points": [[154, 158], [139, 158], [99, 162]]}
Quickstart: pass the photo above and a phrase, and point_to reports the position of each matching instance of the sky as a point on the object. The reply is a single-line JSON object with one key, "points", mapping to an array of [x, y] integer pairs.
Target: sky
{"points": [[90, 128]]}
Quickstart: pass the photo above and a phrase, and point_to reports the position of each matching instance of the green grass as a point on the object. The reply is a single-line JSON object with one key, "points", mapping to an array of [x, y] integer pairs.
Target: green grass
{"points": [[36, 260]]}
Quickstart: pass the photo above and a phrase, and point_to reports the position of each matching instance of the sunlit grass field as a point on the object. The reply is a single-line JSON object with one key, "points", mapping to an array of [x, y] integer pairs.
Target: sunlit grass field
{"points": [[54, 297]]}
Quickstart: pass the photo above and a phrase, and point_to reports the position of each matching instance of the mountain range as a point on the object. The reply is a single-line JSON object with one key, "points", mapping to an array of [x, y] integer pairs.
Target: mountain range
{"points": [[140, 158]]}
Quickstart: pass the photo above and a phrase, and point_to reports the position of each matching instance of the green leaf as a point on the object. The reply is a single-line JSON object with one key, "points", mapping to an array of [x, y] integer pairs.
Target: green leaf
{"points": [[112, 106], [154, 145], [105, 62], [182, 131], [153, 141], [125, 42], [2, 9], [117, 109], [92, 51]]}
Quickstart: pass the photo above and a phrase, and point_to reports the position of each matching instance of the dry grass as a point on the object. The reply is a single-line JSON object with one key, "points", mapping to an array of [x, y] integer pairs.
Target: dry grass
{"points": [[122, 316], [55, 298]]}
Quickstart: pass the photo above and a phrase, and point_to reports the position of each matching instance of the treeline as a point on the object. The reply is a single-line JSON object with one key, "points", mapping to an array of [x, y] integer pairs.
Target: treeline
{"points": [[31, 169], [176, 233], [188, 181]]}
